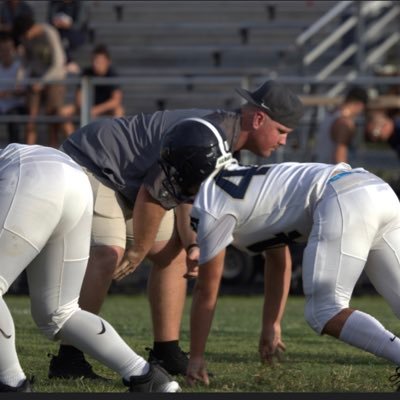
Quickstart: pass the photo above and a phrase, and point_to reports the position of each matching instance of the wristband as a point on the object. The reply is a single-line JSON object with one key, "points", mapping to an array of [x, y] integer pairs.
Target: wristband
{"points": [[191, 247]]}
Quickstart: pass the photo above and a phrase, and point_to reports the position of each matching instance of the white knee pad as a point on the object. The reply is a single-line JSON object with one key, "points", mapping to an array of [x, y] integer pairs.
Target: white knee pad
{"points": [[317, 315], [50, 324]]}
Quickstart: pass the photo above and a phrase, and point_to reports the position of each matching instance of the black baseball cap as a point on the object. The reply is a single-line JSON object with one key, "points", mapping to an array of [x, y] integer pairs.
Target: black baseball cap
{"points": [[276, 100]]}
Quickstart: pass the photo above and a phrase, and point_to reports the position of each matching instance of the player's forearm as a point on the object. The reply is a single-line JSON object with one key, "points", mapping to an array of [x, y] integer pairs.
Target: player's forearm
{"points": [[202, 313], [147, 216], [278, 271], [186, 233], [205, 297]]}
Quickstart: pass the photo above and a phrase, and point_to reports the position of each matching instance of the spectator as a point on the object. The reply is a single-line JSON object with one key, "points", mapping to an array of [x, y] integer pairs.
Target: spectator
{"points": [[70, 18], [12, 94], [339, 128], [44, 59], [384, 127], [10, 9], [107, 98]]}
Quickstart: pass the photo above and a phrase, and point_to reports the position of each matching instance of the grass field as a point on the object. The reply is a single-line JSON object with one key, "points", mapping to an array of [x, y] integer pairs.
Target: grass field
{"points": [[312, 363]]}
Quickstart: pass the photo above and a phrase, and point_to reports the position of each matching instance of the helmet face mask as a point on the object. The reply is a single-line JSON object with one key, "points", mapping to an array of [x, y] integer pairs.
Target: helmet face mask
{"points": [[173, 184], [191, 151]]}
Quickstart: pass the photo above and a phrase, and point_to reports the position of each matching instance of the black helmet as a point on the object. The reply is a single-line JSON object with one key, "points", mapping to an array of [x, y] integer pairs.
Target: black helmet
{"points": [[191, 151]]}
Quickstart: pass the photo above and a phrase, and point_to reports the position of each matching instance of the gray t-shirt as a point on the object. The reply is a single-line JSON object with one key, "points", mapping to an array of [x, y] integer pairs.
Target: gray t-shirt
{"points": [[123, 152]]}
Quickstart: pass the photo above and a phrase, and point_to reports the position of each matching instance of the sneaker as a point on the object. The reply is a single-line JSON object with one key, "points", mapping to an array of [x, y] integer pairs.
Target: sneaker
{"points": [[156, 380], [395, 379], [175, 363], [71, 368], [26, 386]]}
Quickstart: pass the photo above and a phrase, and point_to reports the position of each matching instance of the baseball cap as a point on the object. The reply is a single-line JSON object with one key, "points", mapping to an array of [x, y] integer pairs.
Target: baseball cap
{"points": [[276, 100]]}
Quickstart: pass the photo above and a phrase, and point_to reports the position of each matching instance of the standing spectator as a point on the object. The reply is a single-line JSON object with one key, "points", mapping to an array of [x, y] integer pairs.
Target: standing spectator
{"points": [[107, 98], [44, 58], [70, 18], [339, 128], [11, 9], [12, 94]]}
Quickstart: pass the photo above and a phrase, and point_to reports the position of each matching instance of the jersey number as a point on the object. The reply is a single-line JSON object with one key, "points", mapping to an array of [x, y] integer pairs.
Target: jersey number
{"points": [[238, 191]]}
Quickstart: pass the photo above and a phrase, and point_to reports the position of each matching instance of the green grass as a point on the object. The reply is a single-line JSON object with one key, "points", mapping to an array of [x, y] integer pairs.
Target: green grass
{"points": [[312, 363]]}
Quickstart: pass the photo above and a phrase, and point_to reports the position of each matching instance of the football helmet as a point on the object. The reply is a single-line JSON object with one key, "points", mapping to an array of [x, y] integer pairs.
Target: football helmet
{"points": [[192, 150]]}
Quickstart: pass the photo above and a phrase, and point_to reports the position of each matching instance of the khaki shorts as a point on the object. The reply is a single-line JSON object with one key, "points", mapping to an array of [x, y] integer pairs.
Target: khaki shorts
{"points": [[51, 98], [112, 218]]}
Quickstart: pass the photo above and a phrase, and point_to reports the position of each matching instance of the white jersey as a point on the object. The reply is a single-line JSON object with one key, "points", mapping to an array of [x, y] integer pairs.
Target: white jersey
{"points": [[257, 207]]}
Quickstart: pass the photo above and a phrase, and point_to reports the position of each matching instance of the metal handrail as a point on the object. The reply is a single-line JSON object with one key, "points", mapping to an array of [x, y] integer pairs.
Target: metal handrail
{"points": [[364, 35], [324, 20]]}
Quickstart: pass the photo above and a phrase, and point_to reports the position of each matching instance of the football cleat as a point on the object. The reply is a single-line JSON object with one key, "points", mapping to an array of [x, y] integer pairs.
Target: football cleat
{"points": [[156, 380], [26, 386], [395, 379], [71, 368], [175, 363]]}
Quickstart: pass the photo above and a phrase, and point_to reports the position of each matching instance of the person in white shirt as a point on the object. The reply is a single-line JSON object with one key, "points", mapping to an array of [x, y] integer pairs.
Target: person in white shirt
{"points": [[349, 218]]}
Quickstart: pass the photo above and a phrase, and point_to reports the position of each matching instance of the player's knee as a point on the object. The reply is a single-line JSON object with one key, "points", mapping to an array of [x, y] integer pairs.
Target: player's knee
{"points": [[50, 323], [104, 259], [318, 315]]}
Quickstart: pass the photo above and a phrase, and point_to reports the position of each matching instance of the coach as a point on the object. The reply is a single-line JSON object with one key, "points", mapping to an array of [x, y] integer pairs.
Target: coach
{"points": [[120, 157]]}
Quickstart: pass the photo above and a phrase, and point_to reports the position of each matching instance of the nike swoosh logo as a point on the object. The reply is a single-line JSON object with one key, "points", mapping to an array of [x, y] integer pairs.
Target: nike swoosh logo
{"points": [[103, 328], [4, 334], [392, 339]]}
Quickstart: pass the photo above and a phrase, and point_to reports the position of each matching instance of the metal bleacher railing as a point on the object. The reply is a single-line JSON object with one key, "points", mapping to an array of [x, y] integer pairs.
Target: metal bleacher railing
{"points": [[211, 92]]}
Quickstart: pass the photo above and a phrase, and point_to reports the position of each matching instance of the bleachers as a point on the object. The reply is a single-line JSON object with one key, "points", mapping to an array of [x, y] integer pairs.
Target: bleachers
{"points": [[184, 40]]}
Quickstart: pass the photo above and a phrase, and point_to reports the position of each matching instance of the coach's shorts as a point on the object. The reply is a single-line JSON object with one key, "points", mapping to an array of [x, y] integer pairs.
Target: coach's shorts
{"points": [[112, 218]]}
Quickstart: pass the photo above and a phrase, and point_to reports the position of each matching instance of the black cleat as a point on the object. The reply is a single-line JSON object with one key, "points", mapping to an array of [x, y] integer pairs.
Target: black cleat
{"points": [[71, 368], [156, 380], [175, 363], [26, 386], [395, 379]]}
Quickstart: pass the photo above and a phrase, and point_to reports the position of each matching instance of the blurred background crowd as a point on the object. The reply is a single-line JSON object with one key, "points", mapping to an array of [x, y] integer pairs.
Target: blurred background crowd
{"points": [[65, 62]]}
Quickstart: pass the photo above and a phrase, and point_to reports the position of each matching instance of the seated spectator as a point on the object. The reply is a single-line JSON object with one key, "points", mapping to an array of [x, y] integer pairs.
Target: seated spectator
{"points": [[44, 59], [10, 9], [70, 18], [107, 99], [12, 93], [384, 126], [338, 129]]}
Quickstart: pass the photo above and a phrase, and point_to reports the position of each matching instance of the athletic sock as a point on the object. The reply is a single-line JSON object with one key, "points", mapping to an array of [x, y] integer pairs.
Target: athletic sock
{"points": [[11, 373], [367, 333], [161, 348], [97, 338]]}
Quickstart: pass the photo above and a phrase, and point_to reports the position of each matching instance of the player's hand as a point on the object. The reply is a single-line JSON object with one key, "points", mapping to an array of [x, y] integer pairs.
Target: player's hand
{"points": [[128, 264], [197, 372], [271, 346], [192, 263]]}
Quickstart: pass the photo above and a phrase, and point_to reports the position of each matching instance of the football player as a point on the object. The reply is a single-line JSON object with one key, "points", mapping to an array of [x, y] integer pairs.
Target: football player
{"points": [[349, 218], [45, 221]]}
